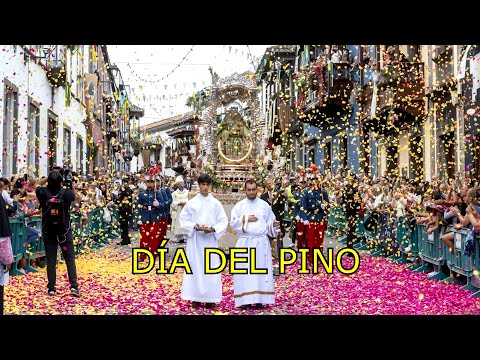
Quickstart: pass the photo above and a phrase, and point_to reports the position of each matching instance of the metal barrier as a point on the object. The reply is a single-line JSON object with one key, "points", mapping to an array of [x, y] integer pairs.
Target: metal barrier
{"points": [[336, 220], [415, 236], [360, 234], [458, 262], [34, 249], [400, 236], [432, 253], [19, 242], [96, 233], [477, 259], [379, 241]]}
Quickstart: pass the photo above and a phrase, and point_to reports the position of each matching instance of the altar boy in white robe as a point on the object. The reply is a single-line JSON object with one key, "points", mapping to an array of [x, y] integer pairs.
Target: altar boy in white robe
{"points": [[205, 221], [253, 219]]}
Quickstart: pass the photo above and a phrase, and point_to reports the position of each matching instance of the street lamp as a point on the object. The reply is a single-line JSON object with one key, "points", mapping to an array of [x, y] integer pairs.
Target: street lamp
{"points": [[46, 51]]}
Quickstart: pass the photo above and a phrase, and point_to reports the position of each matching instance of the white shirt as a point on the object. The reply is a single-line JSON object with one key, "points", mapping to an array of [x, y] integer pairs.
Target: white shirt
{"points": [[6, 197]]}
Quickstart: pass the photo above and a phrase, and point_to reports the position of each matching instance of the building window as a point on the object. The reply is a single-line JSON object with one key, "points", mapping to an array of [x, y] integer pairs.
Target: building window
{"points": [[327, 162], [67, 146], [80, 74], [91, 60], [79, 154], [476, 157], [414, 53], [447, 147], [33, 145], [10, 122], [392, 160], [311, 153]]}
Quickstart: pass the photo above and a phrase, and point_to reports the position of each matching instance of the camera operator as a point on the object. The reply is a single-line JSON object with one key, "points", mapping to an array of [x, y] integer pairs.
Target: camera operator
{"points": [[57, 233], [67, 174]]}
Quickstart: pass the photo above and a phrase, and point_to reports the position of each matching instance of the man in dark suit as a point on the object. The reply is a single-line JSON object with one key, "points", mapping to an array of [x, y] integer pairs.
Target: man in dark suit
{"points": [[151, 210], [274, 196], [351, 202], [124, 201], [188, 183]]}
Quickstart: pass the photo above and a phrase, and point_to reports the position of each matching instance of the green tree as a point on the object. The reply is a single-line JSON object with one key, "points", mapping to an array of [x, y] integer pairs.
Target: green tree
{"points": [[197, 102]]}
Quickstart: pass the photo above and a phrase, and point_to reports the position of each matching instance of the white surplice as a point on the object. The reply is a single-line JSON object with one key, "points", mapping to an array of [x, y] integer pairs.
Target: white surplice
{"points": [[254, 288], [175, 210], [202, 210]]}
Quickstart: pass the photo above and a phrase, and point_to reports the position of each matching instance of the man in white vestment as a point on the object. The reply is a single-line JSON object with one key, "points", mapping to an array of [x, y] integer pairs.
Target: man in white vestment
{"points": [[205, 221], [253, 219], [180, 198]]}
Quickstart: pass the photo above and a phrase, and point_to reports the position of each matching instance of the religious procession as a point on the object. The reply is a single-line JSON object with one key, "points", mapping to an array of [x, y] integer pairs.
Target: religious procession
{"points": [[249, 180]]}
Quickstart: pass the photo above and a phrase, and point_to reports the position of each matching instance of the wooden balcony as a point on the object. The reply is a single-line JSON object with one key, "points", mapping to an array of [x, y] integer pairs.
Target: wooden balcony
{"points": [[329, 93], [111, 130], [400, 97], [56, 73], [182, 130]]}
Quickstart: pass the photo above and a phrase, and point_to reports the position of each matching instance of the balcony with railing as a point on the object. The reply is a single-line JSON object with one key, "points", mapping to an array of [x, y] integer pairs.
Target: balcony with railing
{"points": [[400, 94], [326, 93], [444, 73], [111, 129]]}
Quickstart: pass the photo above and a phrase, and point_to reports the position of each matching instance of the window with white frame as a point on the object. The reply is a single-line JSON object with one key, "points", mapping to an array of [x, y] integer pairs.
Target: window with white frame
{"points": [[67, 146], [79, 154], [80, 72], [10, 122], [33, 145]]}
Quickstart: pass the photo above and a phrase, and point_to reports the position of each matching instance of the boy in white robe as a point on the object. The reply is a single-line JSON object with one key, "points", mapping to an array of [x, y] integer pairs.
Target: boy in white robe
{"points": [[205, 221], [253, 219]]}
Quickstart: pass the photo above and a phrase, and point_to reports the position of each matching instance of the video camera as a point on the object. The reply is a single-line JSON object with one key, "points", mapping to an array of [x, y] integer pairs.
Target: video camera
{"points": [[68, 176]]}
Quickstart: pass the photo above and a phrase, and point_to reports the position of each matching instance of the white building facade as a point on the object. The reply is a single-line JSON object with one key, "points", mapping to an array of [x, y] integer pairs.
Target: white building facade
{"points": [[41, 121]]}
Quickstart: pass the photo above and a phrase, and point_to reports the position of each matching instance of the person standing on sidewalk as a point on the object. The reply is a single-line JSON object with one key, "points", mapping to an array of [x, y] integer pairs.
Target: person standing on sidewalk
{"points": [[6, 254], [124, 201], [203, 218], [351, 202], [253, 219]]}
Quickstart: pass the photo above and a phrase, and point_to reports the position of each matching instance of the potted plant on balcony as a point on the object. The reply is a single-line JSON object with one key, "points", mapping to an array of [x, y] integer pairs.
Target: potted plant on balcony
{"points": [[302, 83], [137, 146]]}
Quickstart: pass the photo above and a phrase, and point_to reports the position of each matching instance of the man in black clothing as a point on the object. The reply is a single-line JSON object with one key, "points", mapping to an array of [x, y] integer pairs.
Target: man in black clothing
{"points": [[124, 201], [351, 202], [60, 234], [188, 183], [274, 196]]}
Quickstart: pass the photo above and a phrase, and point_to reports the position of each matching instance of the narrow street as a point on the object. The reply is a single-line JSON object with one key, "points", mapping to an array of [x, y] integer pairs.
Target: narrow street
{"points": [[108, 287]]}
